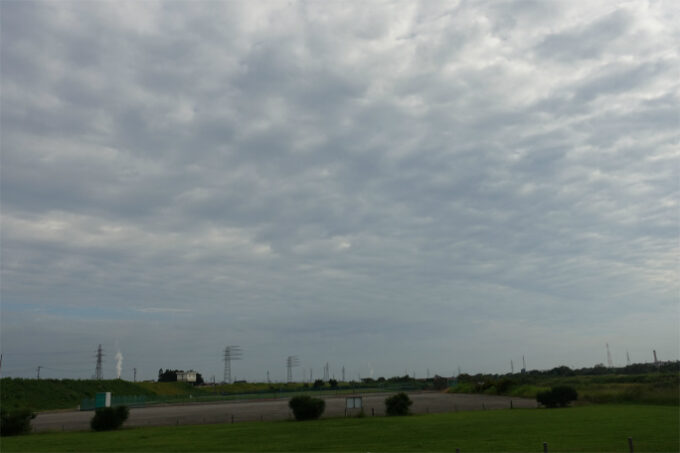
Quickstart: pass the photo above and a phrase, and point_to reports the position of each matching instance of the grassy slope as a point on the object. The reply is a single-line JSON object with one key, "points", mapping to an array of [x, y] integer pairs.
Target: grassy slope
{"points": [[50, 394], [591, 428], [59, 393], [652, 388]]}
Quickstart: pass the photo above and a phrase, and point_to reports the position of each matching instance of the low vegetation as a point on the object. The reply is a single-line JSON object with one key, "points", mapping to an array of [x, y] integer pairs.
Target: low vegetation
{"points": [[399, 404], [15, 421], [593, 428], [559, 396], [305, 407], [598, 385], [48, 394], [109, 418]]}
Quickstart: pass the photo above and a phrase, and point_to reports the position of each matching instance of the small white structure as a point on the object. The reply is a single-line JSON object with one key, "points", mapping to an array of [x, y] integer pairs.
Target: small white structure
{"points": [[186, 376], [353, 402]]}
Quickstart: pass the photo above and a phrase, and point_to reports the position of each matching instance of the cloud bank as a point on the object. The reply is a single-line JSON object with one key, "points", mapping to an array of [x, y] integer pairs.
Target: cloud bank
{"points": [[393, 186]]}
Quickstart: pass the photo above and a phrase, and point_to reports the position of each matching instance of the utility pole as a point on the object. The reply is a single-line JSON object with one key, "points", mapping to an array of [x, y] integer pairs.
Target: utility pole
{"points": [[230, 353], [39, 372], [98, 371]]}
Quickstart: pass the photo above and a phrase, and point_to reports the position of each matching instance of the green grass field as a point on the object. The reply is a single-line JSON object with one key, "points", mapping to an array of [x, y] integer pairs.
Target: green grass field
{"points": [[589, 429]]}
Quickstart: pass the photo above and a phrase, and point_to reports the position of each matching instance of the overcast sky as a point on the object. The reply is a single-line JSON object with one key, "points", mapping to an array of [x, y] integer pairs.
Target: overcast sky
{"points": [[384, 186]]}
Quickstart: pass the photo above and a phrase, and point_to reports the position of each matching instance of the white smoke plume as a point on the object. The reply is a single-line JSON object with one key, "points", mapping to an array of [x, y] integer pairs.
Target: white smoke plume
{"points": [[119, 364]]}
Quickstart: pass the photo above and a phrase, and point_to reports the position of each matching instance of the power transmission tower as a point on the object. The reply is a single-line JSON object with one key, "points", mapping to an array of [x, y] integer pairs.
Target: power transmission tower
{"points": [[98, 371], [134, 379], [610, 363], [326, 373], [230, 353], [627, 358], [268, 381], [512, 367], [39, 372], [291, 362]]}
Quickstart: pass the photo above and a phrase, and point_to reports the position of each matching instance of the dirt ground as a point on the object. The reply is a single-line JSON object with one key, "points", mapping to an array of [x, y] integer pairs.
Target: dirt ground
{"points": [[248, 410]]}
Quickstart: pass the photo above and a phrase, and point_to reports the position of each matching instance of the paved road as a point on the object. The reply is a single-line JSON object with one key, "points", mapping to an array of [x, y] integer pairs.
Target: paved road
{"points": [[254, 410]]}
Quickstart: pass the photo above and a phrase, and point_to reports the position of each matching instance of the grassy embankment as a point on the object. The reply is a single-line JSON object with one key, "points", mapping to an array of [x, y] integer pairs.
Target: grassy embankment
{"points": [[586, 429], [650, 388], [50, 394]]}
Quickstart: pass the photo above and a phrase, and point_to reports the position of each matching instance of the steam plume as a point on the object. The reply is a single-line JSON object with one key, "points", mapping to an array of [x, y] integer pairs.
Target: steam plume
{"points": [[119, 363]]}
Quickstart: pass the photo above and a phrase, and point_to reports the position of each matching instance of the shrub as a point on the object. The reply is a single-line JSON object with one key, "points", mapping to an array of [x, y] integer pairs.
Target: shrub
{"points": [[17, 421], [109, 418], [560, 396], [398, 404], [306, 408]]}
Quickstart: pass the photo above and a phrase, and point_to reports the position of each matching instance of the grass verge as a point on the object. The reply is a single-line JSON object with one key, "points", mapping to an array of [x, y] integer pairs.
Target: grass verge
{"points": [[603, 428]]}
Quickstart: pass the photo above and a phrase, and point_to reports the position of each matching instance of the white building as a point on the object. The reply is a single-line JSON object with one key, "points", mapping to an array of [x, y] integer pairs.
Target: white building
{"points": [[186, 376]]}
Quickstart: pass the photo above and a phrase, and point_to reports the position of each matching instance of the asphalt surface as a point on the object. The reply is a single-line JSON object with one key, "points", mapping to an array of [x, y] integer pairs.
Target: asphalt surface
{"points": [[268, 410]]}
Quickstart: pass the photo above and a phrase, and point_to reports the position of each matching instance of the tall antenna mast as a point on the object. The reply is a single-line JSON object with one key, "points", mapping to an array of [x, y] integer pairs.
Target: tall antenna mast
{"points": [[610, 363], [291, 362], [230, 353], [98, 371]]}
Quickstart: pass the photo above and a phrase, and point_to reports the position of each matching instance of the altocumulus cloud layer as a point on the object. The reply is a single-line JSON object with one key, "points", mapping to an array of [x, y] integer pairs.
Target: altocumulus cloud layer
{"points": [[390, 186]]}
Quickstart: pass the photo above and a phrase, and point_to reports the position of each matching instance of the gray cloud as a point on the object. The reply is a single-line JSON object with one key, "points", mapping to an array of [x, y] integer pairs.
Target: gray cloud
{"points": [[453, 184]]}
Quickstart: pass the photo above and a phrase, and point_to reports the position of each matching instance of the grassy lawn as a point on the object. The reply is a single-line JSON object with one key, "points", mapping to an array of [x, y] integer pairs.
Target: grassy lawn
{"points": [[589, 428]]}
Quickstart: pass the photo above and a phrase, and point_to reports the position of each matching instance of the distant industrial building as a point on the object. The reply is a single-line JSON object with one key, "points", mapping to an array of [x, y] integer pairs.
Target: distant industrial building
{"points": [[186, 376]]}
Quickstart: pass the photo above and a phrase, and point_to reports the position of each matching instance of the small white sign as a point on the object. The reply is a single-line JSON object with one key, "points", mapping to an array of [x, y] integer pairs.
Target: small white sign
{"points": [[353, 402]]}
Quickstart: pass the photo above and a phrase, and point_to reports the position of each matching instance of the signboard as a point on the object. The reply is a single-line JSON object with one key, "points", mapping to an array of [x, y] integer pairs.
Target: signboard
{"points": [[102, 399], [353, 402]]}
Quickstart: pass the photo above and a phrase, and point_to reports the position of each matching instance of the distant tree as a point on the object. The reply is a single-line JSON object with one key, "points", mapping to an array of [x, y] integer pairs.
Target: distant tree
{"points": [[167, 375], [440, 383], [562, 371], [333, 383], [318, 384], [199, 379]]}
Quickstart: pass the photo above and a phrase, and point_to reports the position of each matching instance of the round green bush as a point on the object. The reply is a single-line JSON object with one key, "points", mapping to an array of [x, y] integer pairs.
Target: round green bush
{"points": [[17, 421], [305, 407], [398, 404], [109, 418], [559, 396]]}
